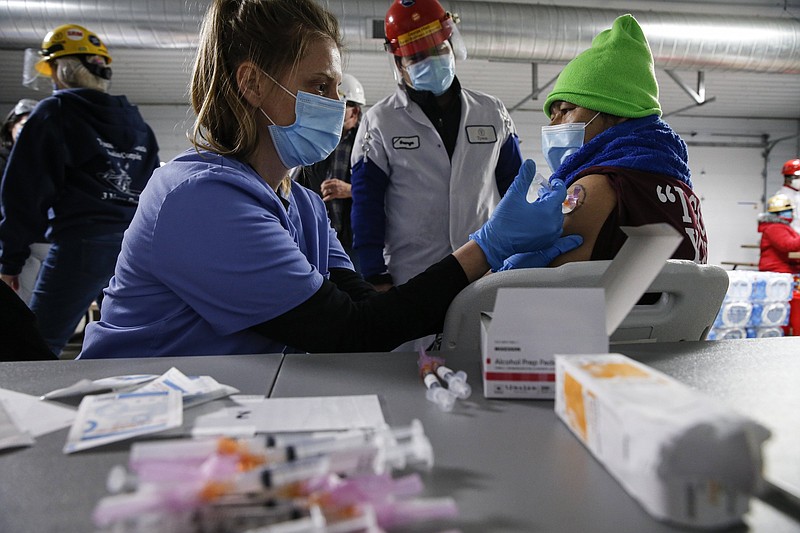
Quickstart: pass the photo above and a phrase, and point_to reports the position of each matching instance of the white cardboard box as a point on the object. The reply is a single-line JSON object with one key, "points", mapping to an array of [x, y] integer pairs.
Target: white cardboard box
{"points": [[529, 325], [518, 364], [685, 457]]}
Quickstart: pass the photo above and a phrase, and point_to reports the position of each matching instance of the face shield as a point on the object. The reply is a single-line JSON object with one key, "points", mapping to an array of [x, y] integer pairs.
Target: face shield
{"points": [[456, 42], [31, 77]]}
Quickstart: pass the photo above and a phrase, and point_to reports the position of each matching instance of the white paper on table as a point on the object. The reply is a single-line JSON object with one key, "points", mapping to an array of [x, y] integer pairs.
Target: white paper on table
{"points": [[196, 390], [279, 415], [87, 386], [112, 417], [11, 435], [35, 416]]}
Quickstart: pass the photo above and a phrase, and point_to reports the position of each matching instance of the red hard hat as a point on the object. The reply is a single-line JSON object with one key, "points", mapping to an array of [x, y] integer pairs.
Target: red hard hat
{"points": [[413, 26], [791, 167]]}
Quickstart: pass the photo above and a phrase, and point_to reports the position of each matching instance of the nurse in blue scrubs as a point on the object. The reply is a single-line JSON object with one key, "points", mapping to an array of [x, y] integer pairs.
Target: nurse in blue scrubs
{"points": [[226, 255]]}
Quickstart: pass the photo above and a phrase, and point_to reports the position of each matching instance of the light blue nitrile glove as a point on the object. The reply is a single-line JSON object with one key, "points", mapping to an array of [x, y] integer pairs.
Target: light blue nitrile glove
{"points": [[517, 225], [542, 258]]}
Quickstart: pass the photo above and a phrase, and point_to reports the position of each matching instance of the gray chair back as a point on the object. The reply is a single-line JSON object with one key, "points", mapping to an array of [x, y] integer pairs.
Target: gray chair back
{"points": [[683, 302]]}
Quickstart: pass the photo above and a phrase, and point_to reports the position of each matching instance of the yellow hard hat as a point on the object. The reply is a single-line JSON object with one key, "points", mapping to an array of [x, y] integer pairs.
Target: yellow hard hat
{"points": [[778, 203], [69, 40]]}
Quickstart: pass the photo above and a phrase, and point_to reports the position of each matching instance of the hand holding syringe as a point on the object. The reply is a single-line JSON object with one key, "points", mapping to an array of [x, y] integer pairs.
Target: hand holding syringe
{"points": [[540, 186]]}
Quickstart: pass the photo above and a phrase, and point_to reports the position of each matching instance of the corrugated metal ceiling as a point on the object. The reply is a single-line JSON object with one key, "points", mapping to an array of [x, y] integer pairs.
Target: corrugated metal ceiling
{"points": [[160, 76]]}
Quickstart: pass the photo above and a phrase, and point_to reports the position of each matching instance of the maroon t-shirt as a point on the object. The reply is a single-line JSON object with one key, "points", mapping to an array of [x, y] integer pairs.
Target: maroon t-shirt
{"points": [[647, 198]]}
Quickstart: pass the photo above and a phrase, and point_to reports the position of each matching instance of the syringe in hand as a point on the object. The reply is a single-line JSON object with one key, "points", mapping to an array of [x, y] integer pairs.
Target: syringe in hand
{"points": [[540, 186]]}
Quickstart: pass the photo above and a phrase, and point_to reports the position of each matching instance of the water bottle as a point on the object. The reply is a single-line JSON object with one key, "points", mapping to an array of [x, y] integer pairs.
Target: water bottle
{"points": [[733, 333], [774, 331], [718, 334], [739, 286], [733, 314], [755, 315], [759, 288], [779, 287], [775, 314]]}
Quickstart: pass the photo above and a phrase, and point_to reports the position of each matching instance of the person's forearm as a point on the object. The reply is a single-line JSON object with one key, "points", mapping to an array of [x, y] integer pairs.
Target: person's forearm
{"points": [[472, 260], [331, 321]]}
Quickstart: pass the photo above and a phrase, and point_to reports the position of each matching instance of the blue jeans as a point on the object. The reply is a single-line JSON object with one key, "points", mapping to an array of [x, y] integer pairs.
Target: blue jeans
{"points": [[71, 278]]}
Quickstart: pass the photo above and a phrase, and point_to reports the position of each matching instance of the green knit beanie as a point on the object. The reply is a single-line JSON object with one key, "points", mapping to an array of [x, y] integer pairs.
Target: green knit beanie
{"points": [[615, 75]]}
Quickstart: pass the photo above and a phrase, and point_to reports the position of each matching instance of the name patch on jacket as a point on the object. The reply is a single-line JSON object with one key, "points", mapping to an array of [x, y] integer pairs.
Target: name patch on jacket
{"points": [[405, 143], [481, 134]]}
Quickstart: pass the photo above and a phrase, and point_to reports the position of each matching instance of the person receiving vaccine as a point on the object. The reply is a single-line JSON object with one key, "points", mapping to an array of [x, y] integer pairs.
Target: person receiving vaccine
{"points": [[606, 141], [227, 255]]}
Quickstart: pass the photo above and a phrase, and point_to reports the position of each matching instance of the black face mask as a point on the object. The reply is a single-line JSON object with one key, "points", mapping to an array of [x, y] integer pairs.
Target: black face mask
{"points": [[98, 70]]}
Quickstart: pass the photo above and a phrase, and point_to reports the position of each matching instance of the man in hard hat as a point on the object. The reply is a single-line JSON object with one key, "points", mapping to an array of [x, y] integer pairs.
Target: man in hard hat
{"points": [[791, 188], [330, 178], [778, 238], [432, 160], [75, 173]]}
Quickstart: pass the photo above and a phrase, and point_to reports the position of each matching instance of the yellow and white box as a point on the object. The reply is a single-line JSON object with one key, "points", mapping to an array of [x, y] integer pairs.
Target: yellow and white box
{"points": [[685, 457]]}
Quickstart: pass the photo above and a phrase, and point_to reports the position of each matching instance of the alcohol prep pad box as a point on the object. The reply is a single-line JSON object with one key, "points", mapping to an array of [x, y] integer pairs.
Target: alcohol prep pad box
{"points": [[524, 331], [685, 457]]}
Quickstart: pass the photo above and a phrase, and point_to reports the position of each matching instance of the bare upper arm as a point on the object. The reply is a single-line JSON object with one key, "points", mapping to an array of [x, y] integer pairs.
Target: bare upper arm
{"points": [[595, 203]]}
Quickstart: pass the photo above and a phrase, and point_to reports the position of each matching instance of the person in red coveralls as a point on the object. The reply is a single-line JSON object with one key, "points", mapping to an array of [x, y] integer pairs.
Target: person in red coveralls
{"points": [[778, 240]]}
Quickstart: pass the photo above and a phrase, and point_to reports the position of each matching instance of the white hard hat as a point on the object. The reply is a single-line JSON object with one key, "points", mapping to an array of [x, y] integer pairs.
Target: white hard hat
{"points": [[351, 90]]}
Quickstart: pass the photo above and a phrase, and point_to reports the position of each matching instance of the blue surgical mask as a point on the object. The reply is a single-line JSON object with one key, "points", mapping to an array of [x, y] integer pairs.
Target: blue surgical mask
{"points": [[561, 141], [315, 133], [434, 73]]}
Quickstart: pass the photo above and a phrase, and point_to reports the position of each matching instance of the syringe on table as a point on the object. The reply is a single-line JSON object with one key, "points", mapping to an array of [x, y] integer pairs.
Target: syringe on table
{"points": [[444, 386], [340, 471]]}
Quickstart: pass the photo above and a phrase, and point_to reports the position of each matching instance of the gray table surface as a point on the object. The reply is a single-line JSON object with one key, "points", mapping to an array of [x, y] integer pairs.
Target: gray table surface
{"points": [[43, 490], [758, 377], [512, 466]]}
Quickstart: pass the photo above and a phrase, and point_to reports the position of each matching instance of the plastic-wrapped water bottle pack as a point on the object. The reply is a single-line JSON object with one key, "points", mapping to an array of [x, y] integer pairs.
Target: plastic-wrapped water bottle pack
{"points": [[755, 306]]}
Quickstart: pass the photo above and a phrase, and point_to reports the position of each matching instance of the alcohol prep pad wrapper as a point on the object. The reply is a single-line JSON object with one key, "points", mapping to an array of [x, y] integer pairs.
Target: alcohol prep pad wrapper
{"points": [[113, 417], [685, 457]]}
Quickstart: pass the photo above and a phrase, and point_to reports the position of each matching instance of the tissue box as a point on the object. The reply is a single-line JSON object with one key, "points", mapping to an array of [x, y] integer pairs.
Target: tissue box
{"points": [[683, 456]]}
